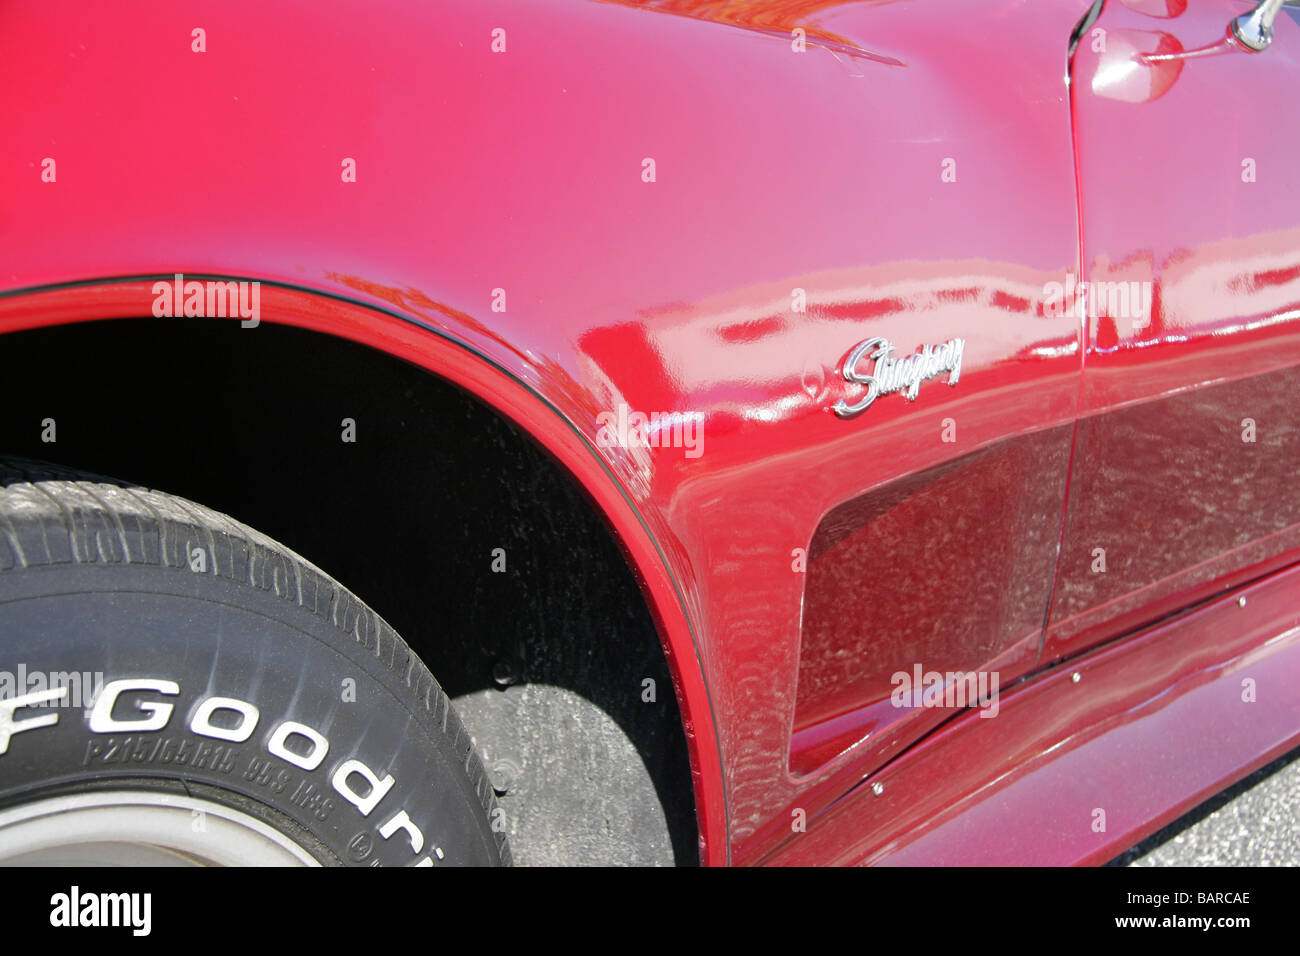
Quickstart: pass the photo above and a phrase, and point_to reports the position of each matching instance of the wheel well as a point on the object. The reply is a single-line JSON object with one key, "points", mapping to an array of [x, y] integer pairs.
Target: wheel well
{"points": [[547, 660]]}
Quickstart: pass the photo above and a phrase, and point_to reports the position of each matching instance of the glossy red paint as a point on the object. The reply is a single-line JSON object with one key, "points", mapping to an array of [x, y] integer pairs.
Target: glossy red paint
{"points": [[911, 183]]}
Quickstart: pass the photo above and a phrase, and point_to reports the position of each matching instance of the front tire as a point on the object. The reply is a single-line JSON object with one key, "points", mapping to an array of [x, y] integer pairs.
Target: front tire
{"points": [[175, 686]]}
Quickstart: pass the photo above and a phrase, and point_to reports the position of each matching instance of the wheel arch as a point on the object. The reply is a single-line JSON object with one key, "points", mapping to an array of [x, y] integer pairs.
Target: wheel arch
{"points": [[500, 377]]}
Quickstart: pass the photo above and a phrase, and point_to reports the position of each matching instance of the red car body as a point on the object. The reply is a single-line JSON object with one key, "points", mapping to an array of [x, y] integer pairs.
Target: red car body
{"points": [[916, 172]]}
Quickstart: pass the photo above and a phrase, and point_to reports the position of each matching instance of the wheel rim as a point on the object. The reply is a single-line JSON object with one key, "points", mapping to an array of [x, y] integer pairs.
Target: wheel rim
{"points": [[140, 828]]}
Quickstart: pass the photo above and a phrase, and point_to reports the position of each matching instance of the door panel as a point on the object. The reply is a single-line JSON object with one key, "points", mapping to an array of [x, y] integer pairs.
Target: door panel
{"points": [[1184, 477]]}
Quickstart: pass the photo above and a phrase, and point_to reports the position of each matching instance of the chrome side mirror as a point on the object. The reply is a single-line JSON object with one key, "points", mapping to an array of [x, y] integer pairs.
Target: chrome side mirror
{"points": [[1254, 30]]}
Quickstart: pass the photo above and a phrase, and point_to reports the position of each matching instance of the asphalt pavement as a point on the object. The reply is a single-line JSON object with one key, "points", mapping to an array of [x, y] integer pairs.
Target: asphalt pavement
{"points": [[1254, 823]]}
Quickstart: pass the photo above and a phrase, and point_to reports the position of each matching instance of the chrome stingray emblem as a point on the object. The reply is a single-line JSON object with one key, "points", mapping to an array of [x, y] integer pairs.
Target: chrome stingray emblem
{"points": [[897, 374]]}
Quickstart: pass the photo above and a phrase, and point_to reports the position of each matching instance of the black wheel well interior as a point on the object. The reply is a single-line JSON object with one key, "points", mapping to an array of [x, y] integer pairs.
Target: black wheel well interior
{"points": [[408, 516]]}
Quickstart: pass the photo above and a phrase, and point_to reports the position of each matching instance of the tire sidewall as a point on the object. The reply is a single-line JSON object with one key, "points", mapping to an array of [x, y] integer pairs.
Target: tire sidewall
{"points": [[286, 660]]}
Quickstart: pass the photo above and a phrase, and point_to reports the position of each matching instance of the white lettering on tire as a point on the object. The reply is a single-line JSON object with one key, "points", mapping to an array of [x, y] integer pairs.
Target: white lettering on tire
{"points": [[291, 728], [378, 788], [201, 722], [9, 726], [400, 821], [101, 715], [158, 713]]}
